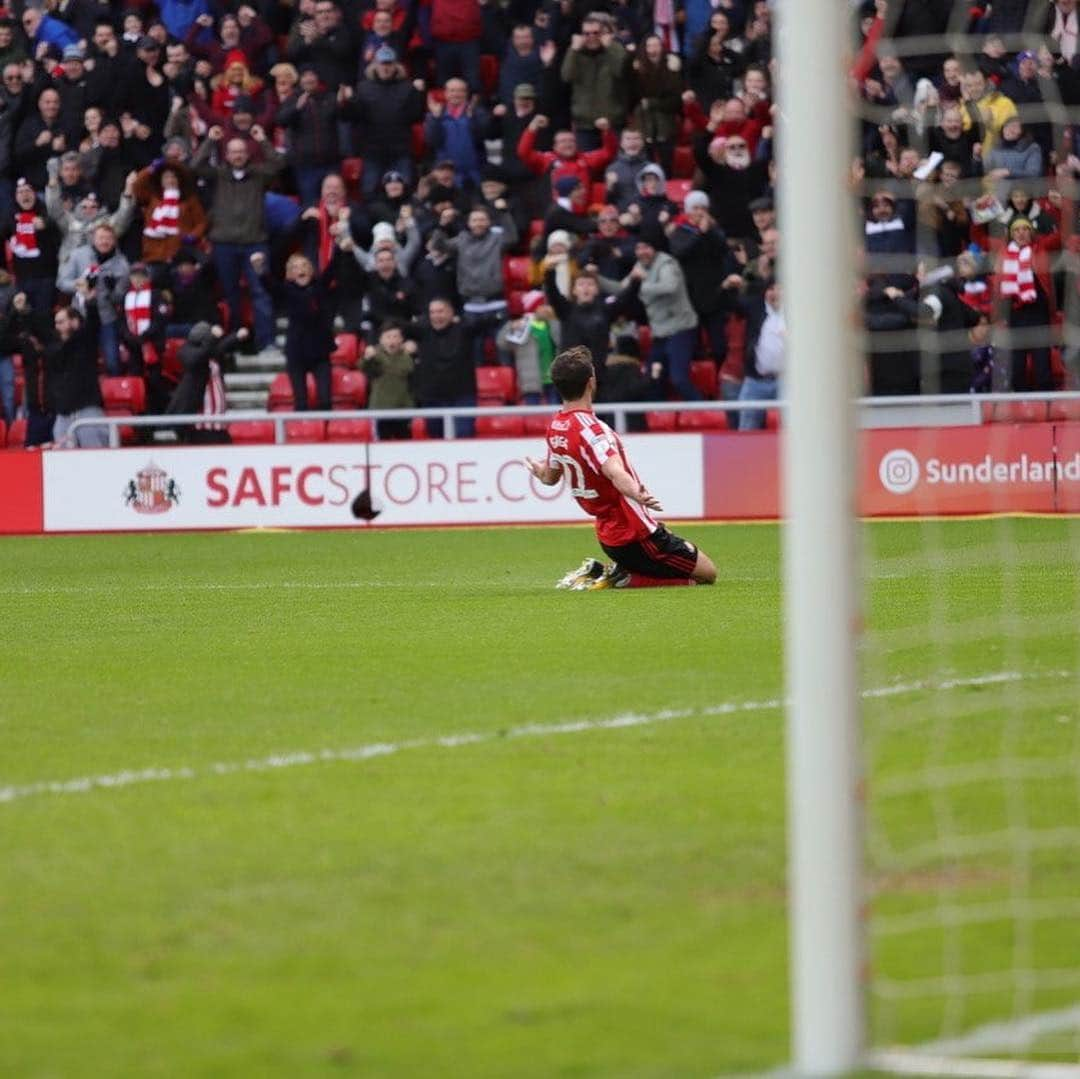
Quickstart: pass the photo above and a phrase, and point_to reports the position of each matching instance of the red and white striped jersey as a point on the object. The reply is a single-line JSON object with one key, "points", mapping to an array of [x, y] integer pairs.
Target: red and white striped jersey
{"points": [[579, 443]]}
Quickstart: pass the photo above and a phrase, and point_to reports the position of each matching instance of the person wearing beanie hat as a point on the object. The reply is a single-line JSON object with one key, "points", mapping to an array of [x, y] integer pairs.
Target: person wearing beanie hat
{"points": [[201, 387], [1015, 156], [384, 236], [532, 340], [712, 273], [383, 106], [235, 81], [658, 280], [567, 210], [557, 259]]}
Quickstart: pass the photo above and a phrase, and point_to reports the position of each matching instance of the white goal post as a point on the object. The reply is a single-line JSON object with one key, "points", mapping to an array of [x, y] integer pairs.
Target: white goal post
{"points": [[815, 145]]}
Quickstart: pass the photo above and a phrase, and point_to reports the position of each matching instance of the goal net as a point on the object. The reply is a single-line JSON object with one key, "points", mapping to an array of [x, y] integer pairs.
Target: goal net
{"points": [[965, 171]]}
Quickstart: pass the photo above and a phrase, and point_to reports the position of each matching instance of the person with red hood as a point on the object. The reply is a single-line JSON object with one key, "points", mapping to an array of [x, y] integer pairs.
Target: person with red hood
{"points": [[725, 119], [235, 80], [563, 158]]}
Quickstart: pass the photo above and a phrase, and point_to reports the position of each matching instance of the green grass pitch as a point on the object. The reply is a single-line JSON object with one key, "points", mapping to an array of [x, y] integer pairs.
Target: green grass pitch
{"points": [[596, 899]]}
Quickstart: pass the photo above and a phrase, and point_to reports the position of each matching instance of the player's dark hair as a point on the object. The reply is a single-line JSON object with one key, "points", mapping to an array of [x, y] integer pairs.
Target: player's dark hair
{"points": [[571, 371]]}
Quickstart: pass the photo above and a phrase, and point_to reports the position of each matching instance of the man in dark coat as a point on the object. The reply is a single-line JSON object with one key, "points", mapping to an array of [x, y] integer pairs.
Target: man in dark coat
{"points": [[384, 107], [445, 375]]}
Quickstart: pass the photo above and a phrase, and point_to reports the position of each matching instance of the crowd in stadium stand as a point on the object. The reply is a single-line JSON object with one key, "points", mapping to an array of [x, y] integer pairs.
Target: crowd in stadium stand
{"points": [[439, 195]]}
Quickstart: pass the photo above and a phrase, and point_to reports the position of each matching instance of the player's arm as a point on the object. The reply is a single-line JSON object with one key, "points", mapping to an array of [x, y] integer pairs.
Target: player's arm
{"points": [[547, 474], [626, 485]]}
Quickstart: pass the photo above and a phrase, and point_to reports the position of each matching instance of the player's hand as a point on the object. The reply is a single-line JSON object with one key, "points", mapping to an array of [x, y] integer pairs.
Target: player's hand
{"points": [[649, 501], [537, 468]]}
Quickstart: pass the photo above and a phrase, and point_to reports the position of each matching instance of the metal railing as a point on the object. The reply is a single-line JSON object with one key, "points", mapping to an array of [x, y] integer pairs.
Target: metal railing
{"points": [[933, 410]]}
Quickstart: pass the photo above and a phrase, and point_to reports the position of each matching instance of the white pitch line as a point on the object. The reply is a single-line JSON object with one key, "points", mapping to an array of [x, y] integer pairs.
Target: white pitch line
{"points": [[136, 777]]}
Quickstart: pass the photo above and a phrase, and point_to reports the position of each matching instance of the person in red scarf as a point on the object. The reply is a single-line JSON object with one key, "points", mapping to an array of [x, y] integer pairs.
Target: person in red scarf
{"points": [[333, 217], [173, 216], [34, 242], [1026, 305], [144, 314]]}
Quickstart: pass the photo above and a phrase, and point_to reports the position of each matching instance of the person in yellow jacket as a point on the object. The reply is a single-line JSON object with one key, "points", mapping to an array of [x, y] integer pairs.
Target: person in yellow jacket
{"points": [[992, 106]]}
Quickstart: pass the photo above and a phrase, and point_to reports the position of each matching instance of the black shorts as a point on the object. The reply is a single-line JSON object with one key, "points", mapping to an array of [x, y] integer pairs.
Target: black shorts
{"points": [[663, 554]]}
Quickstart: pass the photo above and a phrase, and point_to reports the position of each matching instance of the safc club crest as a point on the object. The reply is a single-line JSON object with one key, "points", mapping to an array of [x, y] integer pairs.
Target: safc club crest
{"points": [[152, 490]]}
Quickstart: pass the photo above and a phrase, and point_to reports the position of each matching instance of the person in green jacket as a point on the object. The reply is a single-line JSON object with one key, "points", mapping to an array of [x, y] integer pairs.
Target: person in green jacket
{"points": [[389, 368]]}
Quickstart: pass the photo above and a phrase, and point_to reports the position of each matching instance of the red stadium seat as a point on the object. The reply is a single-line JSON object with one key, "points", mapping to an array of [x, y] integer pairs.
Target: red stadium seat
{"points": [[703, 376], [695, 420], [732, 367], [513, 303], [417, 144], [677, 190], [280, 398], [305, 430], [350, 431], [16, 435], [660, 421], [517, 271], [346, 350], [348, 388], [352, 168], [418, 429], [500, 426], [3, 433], [772, 420], [1020, 412], [248, 432], [682, 167], [1060, 411], [537, 423], [489, 74], [170, 360], [495, 386], [644, 335], [123, 396]]}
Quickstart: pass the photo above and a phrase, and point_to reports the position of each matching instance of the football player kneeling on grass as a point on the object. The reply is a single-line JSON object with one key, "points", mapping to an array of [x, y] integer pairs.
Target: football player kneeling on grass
{"points": [[592, 458]]}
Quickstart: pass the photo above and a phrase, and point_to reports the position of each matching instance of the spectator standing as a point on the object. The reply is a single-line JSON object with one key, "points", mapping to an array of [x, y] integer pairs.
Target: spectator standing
{"points": [[659, 281], [522, 62], [304, 297], [479, 249], [309, 116], [455, 130], [34, 241], [71, 378], [595, 67], [384, 106], [103, 270], [142, 326], [532, 340], [766, 348], [622, 174], [201, 388], [78, 225], [238, 227], [564, 157], [144, 103], [658, 87], [1015, 156], [1026, 302], [40, 136], [585, 318], [389, 368], [445, 373], [42, 29], [456, 29], [325, 42], [173, 216], [712, 275]]}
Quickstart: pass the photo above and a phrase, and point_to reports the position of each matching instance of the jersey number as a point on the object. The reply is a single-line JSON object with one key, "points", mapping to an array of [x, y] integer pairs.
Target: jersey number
{"points": [[577, 477]]}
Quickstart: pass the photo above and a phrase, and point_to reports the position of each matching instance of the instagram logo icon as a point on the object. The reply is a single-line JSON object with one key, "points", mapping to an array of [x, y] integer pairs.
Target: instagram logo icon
{"points": [[899, 472]]}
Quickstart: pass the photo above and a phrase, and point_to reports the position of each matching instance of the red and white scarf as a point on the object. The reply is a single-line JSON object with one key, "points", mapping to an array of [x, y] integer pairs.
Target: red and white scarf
{"points": [[1017, 277], [24, 243], [165, 216], [213, 398], [137, 310]]}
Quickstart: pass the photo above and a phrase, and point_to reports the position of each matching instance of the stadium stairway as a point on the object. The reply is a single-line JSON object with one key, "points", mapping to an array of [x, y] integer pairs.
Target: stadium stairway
{"points": [[247, 386]]}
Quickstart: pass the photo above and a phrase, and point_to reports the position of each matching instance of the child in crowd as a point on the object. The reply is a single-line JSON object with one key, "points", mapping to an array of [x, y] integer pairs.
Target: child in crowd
{"points": [[389, 368], [145, 316], [533, 341]]}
